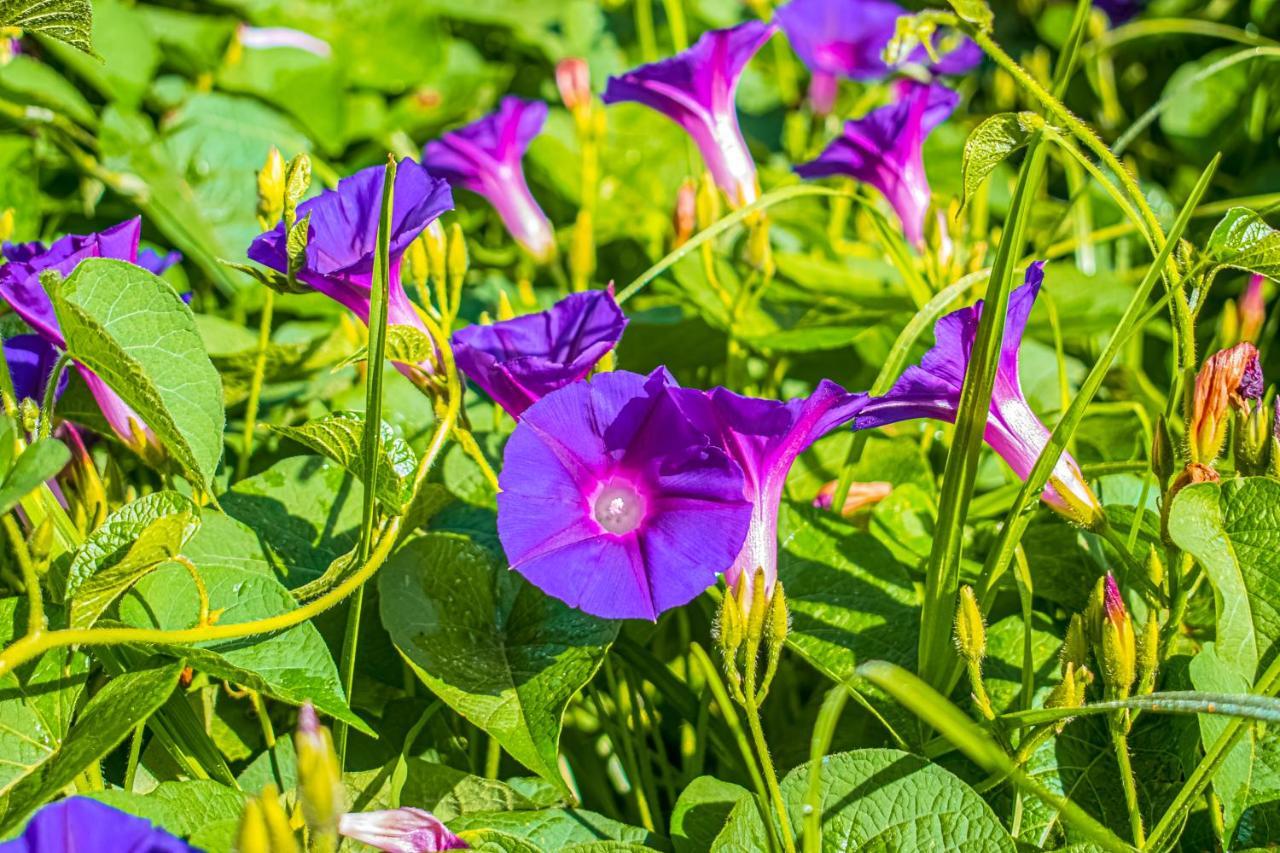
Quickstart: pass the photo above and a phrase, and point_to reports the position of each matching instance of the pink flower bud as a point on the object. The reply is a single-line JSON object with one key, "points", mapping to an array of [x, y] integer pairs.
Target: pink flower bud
{"points": [[574, 81], [402, 830], [860, 495], [686, 213], [1252, 310]]}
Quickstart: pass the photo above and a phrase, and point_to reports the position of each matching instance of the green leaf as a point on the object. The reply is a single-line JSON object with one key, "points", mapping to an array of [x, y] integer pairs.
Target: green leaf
{"points": [[40, 461], [131, 329], [1243, 240], [701, 812], [293, 665], [552, 829], [339, 436], [1230, 529], [183, 808], [495, 648], [68, 21], [993, 142], [884, 799], [105, 721], [405, 345], [111, 545], [976, 12], [1231, 782]]}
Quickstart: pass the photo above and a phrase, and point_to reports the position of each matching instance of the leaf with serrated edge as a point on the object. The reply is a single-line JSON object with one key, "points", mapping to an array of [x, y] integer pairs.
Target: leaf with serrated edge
{"points": [[69, 21], [991, 143], [405, 345], [340, 436], [41, 460], [1243, 240]]}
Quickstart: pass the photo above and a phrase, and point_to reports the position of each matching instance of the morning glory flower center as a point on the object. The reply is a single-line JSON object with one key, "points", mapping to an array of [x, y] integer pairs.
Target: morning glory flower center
{"points": [[619, 507]]}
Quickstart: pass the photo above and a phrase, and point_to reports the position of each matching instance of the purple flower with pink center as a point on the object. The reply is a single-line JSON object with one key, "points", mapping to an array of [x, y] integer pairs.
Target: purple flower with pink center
{"points": [[343, 236], [20, 287], [519, 361], [695, 89], [834, 41], [402, 830], [82, 824], [931, 389], [614, 502], [764, 438], [487, 157], [885, 148]]}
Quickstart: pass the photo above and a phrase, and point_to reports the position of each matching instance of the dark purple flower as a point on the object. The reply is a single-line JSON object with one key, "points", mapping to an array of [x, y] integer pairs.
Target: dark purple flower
{"points": [[343, 236], [82, 825], [30, 359], [20, 287], [695, 89], [613, 502], [486, 157], [518, 362], [835, 39], [1120, 11], [764, 437], [156, 263], [884, 148], [402, 830], [932, 390]]}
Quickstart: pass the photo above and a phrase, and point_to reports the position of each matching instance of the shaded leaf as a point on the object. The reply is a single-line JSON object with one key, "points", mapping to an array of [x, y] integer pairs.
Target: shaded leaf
{"points": [[340, 437], [40, 461]]}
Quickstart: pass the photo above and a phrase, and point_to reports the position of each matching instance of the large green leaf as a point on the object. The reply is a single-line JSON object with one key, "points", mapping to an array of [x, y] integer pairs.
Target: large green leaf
{"points": [[182, 808], [701, 811], [105, 721], [1230, 528], [1243, 240], [68, 21], [883, 800], [499, 651], [340, 436], [39, 461], [552, 829], [292, 665], [131, 328]]}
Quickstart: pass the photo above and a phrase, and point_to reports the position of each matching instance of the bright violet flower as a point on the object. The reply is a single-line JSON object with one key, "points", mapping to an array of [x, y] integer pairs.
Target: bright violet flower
{"points": [[20, 286], [764, 437], [267, 37], [613, 502], [156, 263], [884, 148], [82, 824], [30, 359], [834, 41], [695, 89], [485, 157], [931, 389], [519, 361], [402, 830], [343, 236]]}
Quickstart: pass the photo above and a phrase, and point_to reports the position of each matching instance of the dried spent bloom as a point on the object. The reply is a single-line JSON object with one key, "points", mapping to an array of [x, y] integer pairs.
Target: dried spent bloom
{"points": [[573, 79], [1230, 378], [764, 437], [860, 495], [613, 502], [82, 824], [695, 89], [486, 157], [343, 235], [21, 288], [519, 361], [402, 830], [835, 42], [885, 149], [931, 389]]}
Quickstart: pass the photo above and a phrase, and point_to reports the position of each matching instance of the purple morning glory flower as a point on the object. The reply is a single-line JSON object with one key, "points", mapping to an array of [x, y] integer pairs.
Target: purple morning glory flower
{"points": [[931, 389], [156, 263], [613, 502], [84, 825], [485, 157], [343, 236], [836, 41], [30, 359], [884, 148], [764, 437], [20, 287], [519, 361], [402, 830], [695, 89], [1119, 11]]}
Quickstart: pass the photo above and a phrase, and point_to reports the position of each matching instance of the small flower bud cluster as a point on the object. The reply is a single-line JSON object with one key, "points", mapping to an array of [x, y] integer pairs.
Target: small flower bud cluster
{"points": [[751, 621]]}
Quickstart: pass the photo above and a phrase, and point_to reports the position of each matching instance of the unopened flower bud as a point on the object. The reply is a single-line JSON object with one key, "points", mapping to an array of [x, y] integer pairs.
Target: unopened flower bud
{"points": [[1094, 613], [29, 414], [685, 217], [970, 630], [505, 311], [416, 265], [731, 627], [6, 224], [1155, 568], [861, 495], [41, 543], [1064, 694], [573, 79], [264, 826], [457, 262], [759, 250], [708, 202], [1252, 310], [1075, 647], [1148, 654], [1251, 440], [319, 776], [582, 249], [436, 244], [1163, 457], [755, 608], [271, 189], [1119, 652], [297, 180], [1230, 377], [779, 618], [402, 830]]}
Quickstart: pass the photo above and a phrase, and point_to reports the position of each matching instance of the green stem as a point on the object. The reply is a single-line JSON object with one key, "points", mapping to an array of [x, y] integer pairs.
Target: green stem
{"points": [[255, 384], [51, 395], [1121, 744], [35, 601], [751, 706], [644, 30], [492, 758], [135, 752]]}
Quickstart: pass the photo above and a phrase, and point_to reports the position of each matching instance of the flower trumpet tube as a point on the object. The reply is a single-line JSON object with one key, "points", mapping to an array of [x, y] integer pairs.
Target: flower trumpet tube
{"points": [[402, 830], [695, 89], [486, 157], [932, 388]]}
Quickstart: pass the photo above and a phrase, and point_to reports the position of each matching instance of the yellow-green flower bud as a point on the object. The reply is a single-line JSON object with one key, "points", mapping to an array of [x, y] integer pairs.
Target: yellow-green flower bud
{"points": [[970, 629], [1155, 568], [779, 617], [582, 250], [730, 628], [319, 776], [1075, 647], [6, 224], [271, 189], [458, 262], [1164, 461], [1148, 654], [1119, 647], [264, 826], [757, 609], [416, 265], [297, 181], [41, 543], [505, 310], [1251, 440], [29, 413], [252, 836], [708, 201], [437, 249]]}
